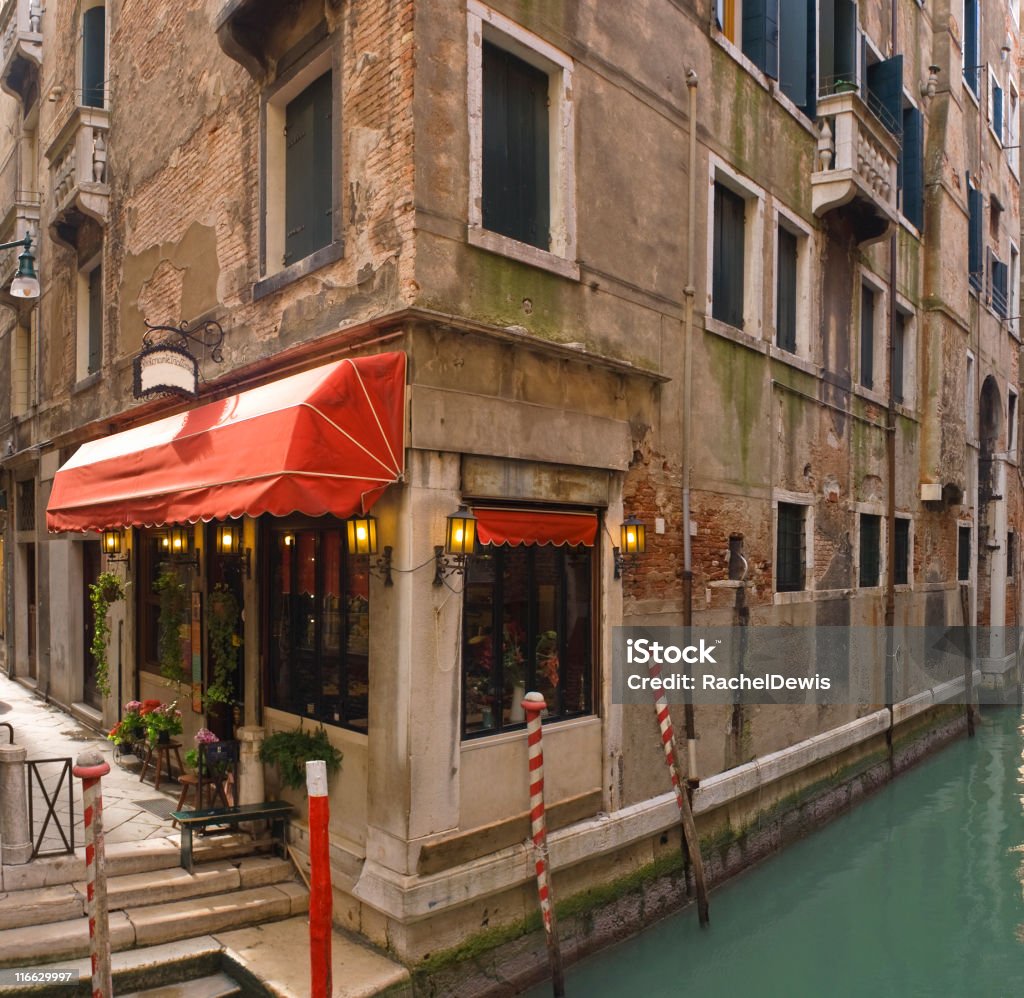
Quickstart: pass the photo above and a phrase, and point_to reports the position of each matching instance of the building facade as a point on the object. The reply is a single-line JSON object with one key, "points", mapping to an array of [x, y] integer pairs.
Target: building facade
{"points": [[747, 270]]}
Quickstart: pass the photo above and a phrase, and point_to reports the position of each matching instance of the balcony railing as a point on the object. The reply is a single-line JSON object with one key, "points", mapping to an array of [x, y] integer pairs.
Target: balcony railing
{"points": [[21, 46], [78, 172], [856, 168]]}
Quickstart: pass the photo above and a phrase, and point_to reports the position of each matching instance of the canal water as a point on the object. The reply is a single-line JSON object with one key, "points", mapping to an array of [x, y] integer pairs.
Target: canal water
{"points": [[914, 893]]}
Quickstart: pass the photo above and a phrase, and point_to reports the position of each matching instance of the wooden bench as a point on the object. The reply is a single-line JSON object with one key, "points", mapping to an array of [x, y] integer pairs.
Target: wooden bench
{"points": [[276, 812]]}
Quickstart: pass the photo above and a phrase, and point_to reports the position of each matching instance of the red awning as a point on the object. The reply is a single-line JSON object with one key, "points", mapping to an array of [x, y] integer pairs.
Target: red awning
{"points": [[527, 526], [324, 441]]}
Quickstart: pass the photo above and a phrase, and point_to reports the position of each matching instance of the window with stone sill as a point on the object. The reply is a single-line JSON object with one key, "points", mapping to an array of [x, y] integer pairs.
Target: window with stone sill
{"points": [[527, 625]]}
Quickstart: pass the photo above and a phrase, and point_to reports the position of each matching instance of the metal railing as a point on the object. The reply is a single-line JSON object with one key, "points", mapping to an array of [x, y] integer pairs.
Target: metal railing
{"points": [[64, 827]]}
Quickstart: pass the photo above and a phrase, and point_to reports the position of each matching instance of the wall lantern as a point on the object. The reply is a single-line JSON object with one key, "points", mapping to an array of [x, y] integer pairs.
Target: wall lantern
{"points": [[179, 544], [25, 283], [632, 542], [459, 544], [362, 542], [113, 546], [228, 544]]}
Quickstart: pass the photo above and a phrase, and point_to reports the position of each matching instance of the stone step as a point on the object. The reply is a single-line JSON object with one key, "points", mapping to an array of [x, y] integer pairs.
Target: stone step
{"points": [[43, 905], [215, 986], [152, 924]]}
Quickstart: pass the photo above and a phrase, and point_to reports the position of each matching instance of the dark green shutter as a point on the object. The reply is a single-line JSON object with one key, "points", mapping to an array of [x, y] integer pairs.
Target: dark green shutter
{"points": [[974, 261], [997, 111], [785, 285], [727, 258], [516, 186], [797, 52], [93, 56], [912, 168], [902, 566], [898, 353], [309, 170], [971, 70], [761, 35], [95, 319], [999, 282], [885, 92], [870, 549], [867, 337]]}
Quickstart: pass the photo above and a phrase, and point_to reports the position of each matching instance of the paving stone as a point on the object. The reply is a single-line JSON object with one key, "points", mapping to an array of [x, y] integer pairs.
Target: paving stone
{"points": [[42, 905], [23, 947]]}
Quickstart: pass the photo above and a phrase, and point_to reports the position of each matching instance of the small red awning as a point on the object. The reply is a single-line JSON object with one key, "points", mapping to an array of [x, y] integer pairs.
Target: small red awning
{"points": [[527, 526], [329, 440]]}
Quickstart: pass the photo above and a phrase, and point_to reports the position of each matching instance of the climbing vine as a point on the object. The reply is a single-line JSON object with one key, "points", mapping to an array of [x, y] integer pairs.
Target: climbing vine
{"points": [[108, 588], [224, 642], [173, 609]]}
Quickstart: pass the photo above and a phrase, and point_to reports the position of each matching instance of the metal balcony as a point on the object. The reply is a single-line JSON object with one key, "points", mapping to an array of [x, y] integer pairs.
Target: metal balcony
{"points": [[857, 161], [78, 173], [21, 48]]}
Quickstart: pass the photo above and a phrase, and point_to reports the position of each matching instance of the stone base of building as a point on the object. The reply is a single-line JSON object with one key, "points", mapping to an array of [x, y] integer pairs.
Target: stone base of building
{"points": [[493, 945]]}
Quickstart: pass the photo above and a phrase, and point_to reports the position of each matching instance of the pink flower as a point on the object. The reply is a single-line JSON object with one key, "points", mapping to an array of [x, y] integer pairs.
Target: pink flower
{"points": [[204, 736]]}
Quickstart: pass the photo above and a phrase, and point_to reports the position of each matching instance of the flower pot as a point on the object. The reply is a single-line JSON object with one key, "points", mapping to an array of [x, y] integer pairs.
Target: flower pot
{"points": [[163, 737]]}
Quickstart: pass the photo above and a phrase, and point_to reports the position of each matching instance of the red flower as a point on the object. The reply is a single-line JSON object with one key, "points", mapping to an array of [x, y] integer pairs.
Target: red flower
{"points": [[149, 706]]}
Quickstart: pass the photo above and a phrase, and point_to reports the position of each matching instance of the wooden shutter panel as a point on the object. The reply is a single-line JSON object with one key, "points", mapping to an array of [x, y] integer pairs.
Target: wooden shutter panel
{"points": [[786, 292], [797, 52], [727, 258], [971, 70], [761, 35], [308, 170], [867, 337], [885, 92], [95, 319], [997, 111], [912, 168], [870, 549], [516, 187], [93, 56], [999, 282], [898, 348], [974, 261]]}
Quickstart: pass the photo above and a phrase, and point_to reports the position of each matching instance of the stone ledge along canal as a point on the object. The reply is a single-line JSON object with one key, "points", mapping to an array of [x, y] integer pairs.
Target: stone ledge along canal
{"points": [[915, 892]]}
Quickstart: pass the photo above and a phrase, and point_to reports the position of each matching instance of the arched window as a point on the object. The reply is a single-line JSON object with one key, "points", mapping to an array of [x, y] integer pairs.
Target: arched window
{"points": [[94, 57]]}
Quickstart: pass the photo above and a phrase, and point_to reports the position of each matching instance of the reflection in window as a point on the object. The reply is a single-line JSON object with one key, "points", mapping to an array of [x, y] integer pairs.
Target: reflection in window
{"points": [[526, 626], [319, 627]]}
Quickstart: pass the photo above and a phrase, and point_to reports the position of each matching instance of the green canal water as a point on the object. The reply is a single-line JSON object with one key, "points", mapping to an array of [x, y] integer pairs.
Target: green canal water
{"points": [[915, 892]]}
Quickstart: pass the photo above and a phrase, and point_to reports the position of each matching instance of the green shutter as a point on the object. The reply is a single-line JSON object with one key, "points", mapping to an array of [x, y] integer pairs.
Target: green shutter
{"points": [[727, 258], [867, 337], [912, 168], [898, 353], [95, 319], [974, 262], [797, 52], [761, 35], [516, 186], [785, 284], [93, 56], [309, 170], [885, 92], [997, 111], [972, 71]]}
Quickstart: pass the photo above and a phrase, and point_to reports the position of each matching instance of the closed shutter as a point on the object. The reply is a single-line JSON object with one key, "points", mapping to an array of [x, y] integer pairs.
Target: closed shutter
{"points": [[867, 337], [761, 35], [974, 261], [972, 71], [516, 186], [309, 170], [902, 567], [898, 348], [999, 283], [885, 92], [870, 549], [797, 52], [963, 554], [997, 111], [93, 56], [786, 292], [95, 319], [912, 168], [790, 553], [727, 258]]}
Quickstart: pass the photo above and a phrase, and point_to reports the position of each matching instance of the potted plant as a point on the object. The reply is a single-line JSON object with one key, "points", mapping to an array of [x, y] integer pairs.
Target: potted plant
{"points": [[130, 729], [204, 736], [173, 624], [289, 751], [108, 588], [162, 722], [547, 657], [224, 641]]}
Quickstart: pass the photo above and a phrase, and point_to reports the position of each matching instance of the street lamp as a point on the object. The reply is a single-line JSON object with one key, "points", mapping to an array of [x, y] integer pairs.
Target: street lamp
{"points": [[25, 283]]}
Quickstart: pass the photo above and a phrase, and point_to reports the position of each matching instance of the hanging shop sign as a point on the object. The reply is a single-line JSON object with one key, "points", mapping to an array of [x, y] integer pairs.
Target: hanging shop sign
{"points": [[166, 364]]}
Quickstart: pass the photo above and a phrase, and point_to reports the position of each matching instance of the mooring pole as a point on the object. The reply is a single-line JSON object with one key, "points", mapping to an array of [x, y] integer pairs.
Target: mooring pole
{"points": [[90, 768], [320, 899], [533, 704], [689, 827]]}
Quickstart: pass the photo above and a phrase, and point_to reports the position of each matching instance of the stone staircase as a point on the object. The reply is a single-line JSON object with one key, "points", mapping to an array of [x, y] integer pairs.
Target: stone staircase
{"points": [[152, 902]]}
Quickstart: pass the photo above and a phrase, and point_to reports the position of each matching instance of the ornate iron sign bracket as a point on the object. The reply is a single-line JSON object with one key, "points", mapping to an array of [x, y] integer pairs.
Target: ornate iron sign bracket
{"points": [[166, 365]]}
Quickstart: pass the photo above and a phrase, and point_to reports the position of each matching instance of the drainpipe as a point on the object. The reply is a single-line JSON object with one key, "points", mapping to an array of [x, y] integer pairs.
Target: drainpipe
{"points": [[689, 293]]}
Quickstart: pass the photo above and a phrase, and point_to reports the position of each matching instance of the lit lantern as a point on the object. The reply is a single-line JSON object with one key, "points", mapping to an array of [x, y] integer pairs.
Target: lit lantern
{"points": [[460, 538], [362, 535], [634, 536], [179, 539], [112, 543], [228, 538]]}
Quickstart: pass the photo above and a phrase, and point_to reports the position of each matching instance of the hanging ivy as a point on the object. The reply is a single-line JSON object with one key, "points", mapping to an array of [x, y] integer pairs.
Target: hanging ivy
{"points": [[108, 588], [291, 750], [224, 641], [173, 617]]}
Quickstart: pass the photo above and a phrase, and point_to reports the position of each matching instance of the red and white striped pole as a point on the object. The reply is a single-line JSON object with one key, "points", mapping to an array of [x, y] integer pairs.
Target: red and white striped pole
{"points": [[90, 767], [320, 897], [533, 704], [668, 743]]}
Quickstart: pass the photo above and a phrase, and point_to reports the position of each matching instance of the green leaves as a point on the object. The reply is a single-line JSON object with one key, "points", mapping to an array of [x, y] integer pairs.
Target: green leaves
{"points": [[108, 588], [291, 750]]}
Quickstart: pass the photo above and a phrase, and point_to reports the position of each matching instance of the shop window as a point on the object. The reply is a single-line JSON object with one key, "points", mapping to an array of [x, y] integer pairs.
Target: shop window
{"points": [[94, 59], [527, 625], [318, 626], [870, 550], [791, 549]]}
